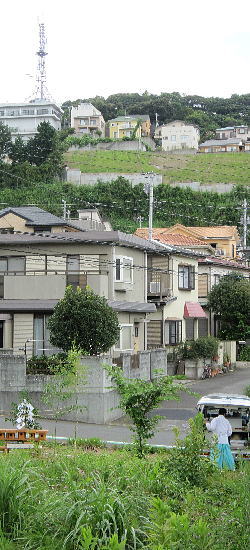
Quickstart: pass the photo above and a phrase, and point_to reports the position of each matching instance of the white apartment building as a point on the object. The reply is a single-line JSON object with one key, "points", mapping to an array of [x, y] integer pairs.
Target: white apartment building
{"points": [[241, 132], [23, 119], [178, 135], [86, 119]]}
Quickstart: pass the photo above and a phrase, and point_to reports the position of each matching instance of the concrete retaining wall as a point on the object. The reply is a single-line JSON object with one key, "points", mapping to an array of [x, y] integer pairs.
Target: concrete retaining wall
{"points": [[83, 178], [197, 186], [112, 146]]}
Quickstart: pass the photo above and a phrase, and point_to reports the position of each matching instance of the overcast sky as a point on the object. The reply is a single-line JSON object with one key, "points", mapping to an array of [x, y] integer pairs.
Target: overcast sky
{"points": [[102, 47]]}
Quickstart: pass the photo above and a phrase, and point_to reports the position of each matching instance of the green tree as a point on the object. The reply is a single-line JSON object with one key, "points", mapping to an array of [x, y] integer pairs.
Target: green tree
{"points": [[18, 151], [85, 320], [138, 399], [230, 302], [5, 140], [42, 145]]}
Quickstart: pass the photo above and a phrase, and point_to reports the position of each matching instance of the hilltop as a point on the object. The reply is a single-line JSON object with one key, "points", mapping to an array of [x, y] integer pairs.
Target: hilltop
{"points": [[205, 168]]}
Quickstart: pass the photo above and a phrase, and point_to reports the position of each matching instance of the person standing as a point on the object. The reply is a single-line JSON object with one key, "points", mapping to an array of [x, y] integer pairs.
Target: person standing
{"points": [[222, 428]]}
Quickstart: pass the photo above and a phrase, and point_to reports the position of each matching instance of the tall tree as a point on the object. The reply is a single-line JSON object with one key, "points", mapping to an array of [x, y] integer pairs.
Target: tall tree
{"points": [[230, 302], [18, 151], [85, 320], [5, 140], [42, 145]]}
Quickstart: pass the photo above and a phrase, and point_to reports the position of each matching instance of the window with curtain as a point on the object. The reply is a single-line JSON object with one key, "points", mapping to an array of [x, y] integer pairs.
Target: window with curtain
{"points": [[186, 277], [173, 332], [41, 344]]}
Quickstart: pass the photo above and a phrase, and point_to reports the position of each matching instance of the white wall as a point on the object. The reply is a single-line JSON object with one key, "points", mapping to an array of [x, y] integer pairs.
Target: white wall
{"points": [[178, 135]]}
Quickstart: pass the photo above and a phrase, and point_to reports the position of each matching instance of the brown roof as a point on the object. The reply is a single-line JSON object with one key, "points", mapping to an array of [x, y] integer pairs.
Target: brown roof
{"points": [[223, 262], [176, 239], [205, 232], [215, 231]]}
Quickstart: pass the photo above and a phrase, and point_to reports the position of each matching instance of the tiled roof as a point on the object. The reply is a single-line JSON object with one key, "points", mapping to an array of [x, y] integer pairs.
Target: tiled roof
{"points": [[193, 310], [34, 215], [223, 262], [215, 231], [169, 238], [137, 307]]}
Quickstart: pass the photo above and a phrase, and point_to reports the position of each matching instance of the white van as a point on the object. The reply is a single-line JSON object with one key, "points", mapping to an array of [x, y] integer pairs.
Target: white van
{"points": [[238, 414]]}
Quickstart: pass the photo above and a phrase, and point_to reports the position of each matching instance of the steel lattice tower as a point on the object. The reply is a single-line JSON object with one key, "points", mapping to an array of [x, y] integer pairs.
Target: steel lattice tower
{"points": [[41, 86]]}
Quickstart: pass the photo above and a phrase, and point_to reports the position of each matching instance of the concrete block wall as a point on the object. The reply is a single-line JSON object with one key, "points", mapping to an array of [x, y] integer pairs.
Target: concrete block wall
{"points": [[84, 178]]}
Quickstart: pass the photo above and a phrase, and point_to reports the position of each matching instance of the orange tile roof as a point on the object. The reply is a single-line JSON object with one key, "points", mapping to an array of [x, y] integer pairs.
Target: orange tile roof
{"points": [[170, 238], [215, 230]]}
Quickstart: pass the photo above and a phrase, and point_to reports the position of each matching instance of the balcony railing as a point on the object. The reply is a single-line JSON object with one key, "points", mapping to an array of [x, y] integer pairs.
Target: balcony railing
{"points": [[159, 285]]}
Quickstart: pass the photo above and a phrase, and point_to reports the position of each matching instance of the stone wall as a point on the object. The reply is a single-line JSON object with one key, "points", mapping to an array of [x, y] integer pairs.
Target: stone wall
{"points": [[197, 186], [134, 145], [88, 178]]}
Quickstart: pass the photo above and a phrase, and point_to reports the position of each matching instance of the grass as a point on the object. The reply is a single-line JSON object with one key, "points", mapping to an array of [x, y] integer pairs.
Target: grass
{"points": [[65, 498], [205, 168]]}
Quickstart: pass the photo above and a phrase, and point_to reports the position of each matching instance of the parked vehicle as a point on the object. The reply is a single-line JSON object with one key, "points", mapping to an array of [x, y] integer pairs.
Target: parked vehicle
{"points": [[238, 414]]}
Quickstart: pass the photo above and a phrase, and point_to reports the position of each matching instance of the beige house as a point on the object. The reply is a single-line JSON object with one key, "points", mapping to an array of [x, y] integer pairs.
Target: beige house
{"points": [[35, 270], [31, 219], [230, 145], [173, 287], [210, 271], [178, 135], [86, 119], [220, 240]]}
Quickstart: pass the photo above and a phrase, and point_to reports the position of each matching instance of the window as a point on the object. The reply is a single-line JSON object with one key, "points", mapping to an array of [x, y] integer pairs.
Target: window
{"points": [[41, 344], [84, 121], [40, 112], [125, 339], [203, 327], [184, 138], [30, 111], [189, 329], [173, 138], [124, 269], [186, 277], [1, 113], [13, 112], [12, 264], [232, 250], [73, 270], [217, 279], [173, 332]]}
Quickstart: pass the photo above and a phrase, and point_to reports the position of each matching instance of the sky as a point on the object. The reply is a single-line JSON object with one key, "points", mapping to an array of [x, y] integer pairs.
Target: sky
{"points": [[105, 47]]}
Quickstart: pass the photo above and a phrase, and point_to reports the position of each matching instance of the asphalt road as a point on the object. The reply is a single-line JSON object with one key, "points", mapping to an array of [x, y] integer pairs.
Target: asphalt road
{"points": [[175, 413]]}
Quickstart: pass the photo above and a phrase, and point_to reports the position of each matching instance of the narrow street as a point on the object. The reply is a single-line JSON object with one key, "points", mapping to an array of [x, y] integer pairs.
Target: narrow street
{"points": [[175, 413]]}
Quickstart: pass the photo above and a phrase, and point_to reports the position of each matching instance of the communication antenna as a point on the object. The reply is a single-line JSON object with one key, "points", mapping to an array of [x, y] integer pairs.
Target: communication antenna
{"points": [[41, 85]]}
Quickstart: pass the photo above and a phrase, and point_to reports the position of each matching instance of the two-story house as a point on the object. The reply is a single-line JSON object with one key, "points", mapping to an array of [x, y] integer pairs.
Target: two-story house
{"points": [[127, 125], [240, 132], [210, 271], [173, 288], [178, 135], [36, 268], [86, 119]]}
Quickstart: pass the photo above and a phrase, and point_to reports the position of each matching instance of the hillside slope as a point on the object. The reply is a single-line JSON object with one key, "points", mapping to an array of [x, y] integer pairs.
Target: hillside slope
{"points": [[205, 168]]}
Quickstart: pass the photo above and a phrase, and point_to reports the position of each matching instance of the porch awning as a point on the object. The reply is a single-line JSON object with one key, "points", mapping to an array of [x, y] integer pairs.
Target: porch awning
{"points": [[193, 310]]}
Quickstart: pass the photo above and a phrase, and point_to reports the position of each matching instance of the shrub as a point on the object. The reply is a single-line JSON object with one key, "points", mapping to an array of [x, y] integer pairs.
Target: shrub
{"points": [[202, 348], [45, 364]]}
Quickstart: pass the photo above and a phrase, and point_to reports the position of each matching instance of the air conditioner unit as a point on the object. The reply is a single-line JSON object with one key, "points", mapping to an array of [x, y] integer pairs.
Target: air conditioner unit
{"points": [[155, 287]]}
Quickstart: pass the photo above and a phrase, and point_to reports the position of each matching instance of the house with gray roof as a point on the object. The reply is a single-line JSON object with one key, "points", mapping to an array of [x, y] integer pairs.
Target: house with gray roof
{"points": [[229, 145], [31, 219], [150, 285]]}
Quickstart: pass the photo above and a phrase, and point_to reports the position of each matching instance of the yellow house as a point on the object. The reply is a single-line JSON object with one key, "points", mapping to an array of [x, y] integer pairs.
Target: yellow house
{"points": [[124, 126], [223, 238]]}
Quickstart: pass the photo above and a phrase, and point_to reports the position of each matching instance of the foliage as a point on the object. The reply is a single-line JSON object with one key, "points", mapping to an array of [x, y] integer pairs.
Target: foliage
{"points": [[45, 364], [247, 391], [66, 498], [185, 461], [230, 302], [84, 319], [203, 348], [244, 354], [138, 399], [168, 530], [5, 141]]}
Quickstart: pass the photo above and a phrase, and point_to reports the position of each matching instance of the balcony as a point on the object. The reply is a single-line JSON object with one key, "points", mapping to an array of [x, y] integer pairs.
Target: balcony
{"points": [[50, 284], [159, 286]]}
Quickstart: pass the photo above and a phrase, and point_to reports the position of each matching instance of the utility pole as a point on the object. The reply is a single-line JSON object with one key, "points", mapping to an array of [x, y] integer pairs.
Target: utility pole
{"points": [[245, 220], [151, 203], [64, 209]]}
